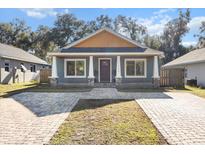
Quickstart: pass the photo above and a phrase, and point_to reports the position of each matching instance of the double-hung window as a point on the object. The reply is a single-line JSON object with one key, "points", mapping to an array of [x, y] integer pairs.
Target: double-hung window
{"points": [[33, 68], [75, 68], [7, 66], [135, 68]]}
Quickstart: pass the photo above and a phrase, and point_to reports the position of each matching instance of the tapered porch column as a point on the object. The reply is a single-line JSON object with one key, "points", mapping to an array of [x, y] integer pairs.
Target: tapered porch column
{"points": [[118, 76], [54, 68], [156, 76], [54, 74], [91, 76]]}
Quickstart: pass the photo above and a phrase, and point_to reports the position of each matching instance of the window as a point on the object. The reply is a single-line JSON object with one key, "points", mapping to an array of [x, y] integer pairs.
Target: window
{"points": [[7, 65], [130, 68], [135, 68], [33, 68], [22, 64], [75, 67]]}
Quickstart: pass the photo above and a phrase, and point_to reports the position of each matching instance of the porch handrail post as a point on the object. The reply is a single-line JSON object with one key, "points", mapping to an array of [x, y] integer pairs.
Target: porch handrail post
{"points": [[91, 72], [54, 68], [118, 69], [156, 68]]}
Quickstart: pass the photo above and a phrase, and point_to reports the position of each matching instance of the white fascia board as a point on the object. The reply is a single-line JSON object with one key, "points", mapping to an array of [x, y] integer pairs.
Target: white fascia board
{"points": [[103, 54]]}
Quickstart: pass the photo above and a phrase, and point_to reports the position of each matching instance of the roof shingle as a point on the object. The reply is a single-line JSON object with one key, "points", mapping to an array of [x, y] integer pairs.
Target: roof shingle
{"points": [[195, 56], [12, 52]]}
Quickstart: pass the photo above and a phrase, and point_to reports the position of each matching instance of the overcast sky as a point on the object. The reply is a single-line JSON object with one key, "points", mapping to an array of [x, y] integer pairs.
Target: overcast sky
{"points": [[153, 19]]}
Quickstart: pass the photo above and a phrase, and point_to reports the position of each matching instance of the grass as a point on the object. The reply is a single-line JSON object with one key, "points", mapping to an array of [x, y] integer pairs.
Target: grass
{"points": [[48, 88], [196, 91], [9, 89], [161, 89], [107, 122]]}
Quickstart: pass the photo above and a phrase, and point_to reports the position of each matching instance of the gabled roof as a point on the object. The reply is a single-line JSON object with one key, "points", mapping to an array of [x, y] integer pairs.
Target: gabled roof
{"points": [[11, 52], [195, 56], [138, 49], [101, 30]]}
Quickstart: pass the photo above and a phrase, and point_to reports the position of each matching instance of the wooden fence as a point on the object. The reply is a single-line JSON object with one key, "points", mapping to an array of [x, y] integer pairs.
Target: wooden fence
{"points": [[44, 74], [172, 77]]}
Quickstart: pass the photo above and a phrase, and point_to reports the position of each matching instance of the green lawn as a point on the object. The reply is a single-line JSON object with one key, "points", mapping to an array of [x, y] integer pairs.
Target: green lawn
{"points": [[48, 88], [196, 91], [7, 89], [107, 122]]}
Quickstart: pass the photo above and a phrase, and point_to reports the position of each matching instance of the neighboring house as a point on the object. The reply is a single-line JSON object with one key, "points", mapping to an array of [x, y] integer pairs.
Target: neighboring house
{"points": [[17, 65], [193, 64], [106, 58]]}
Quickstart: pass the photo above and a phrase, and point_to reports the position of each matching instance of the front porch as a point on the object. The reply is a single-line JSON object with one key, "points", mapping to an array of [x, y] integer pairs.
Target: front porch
{"points": [[106, 71]]}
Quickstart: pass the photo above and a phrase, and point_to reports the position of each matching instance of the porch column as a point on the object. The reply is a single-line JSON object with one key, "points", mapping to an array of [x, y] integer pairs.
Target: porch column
{"points": [[91, 76], [54, 68], [156, 76], [118, 76], [54, 75]]}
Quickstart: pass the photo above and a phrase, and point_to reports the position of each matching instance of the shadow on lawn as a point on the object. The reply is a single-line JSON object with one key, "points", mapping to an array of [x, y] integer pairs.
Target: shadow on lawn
{"points": [[47, 88], [85, 104], [17, 91]]}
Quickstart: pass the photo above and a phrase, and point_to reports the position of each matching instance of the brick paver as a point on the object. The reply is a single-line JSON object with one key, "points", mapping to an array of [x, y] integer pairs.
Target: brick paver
{"points": [[33, 118], [180, 119]]}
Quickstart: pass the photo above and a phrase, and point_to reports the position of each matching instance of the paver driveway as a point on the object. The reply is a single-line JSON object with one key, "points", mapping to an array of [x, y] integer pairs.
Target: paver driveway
{"points": [[33, 118], [181, 119]]}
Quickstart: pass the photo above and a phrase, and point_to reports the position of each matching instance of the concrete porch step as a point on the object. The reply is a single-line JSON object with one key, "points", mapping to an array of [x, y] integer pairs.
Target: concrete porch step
{"points": [[104, 85]]}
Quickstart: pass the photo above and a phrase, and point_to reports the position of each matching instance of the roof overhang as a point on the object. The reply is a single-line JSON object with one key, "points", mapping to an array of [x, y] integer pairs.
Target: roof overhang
{"points": [[104, 54], [21, 59], [182, 65]]}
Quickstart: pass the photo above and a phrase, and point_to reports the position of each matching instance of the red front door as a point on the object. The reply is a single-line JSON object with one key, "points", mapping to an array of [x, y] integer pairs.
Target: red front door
{"points": [[104, 70]]}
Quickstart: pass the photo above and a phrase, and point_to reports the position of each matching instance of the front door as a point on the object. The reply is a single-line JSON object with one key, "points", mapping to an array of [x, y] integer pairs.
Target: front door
{"points": [[105, 70]]}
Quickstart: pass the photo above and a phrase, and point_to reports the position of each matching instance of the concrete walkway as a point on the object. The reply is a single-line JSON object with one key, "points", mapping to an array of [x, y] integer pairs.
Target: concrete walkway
{"points": [[33, 118], [181, 119]]}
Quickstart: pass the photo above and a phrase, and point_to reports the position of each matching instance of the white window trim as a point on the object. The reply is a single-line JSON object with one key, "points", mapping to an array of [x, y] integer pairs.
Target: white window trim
{"points": [[99, 59], [136, 76], [74, 76]]}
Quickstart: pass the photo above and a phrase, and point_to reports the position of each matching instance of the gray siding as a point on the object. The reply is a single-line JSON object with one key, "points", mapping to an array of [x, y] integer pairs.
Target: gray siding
{"points": [[62, 79], [17, 76]]}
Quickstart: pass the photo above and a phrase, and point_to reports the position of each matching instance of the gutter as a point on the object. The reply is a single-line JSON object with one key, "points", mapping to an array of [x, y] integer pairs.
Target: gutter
{"points": [[103, 54]]}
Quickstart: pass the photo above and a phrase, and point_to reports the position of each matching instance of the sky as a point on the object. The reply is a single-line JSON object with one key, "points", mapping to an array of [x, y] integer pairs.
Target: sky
{"points": [[153, 19]]}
